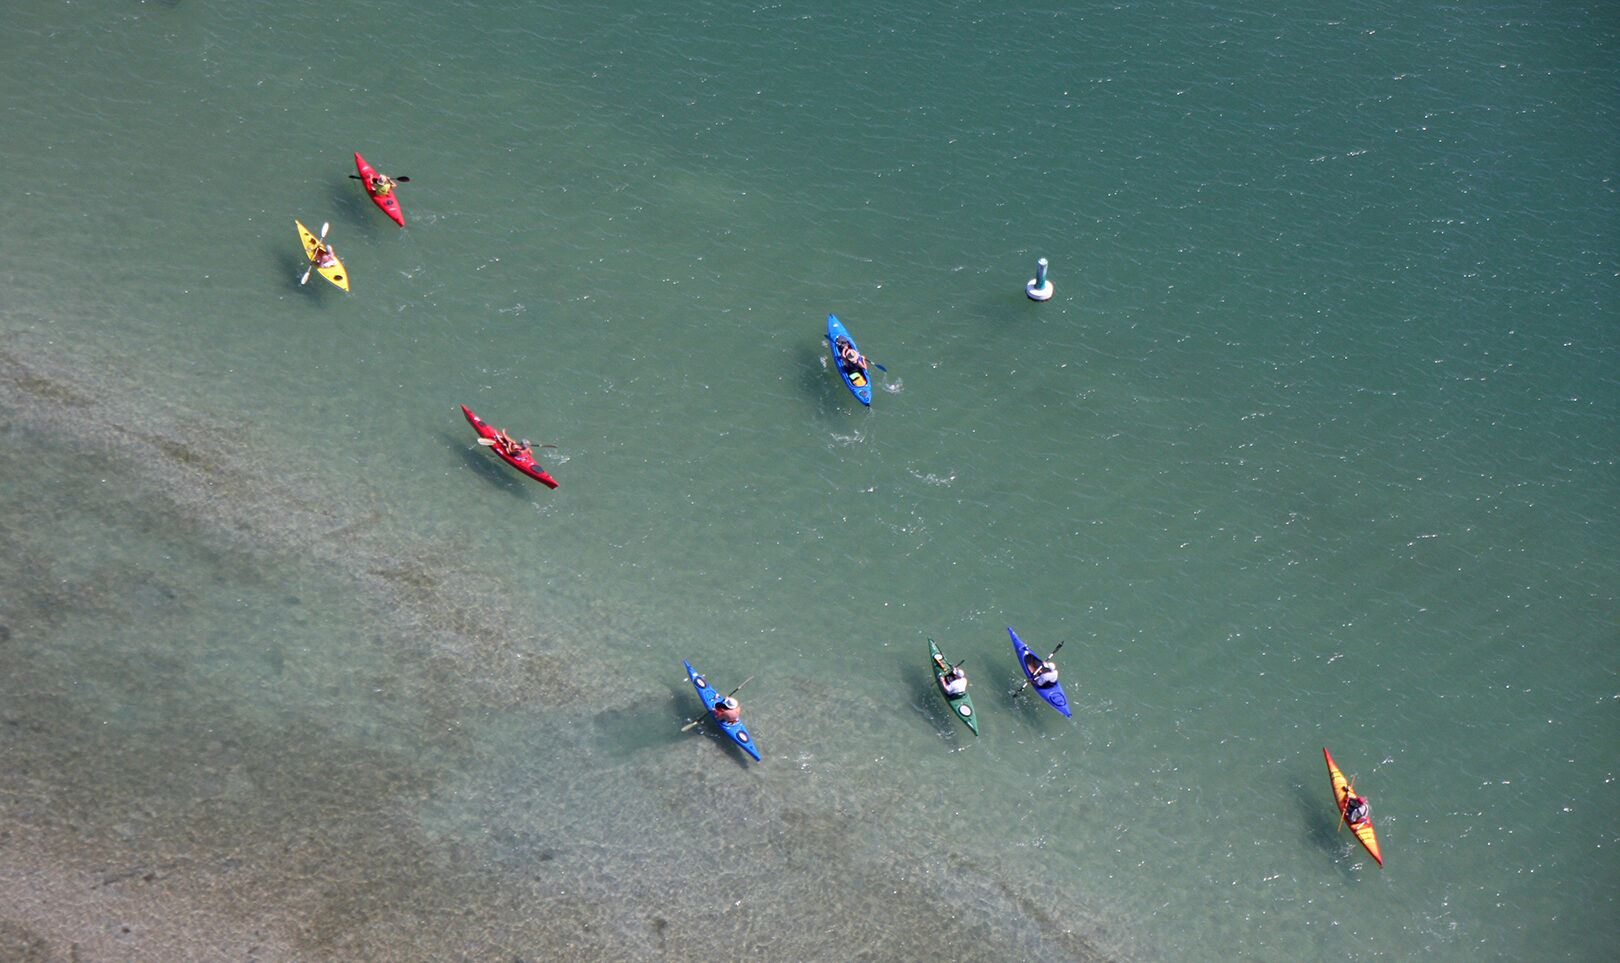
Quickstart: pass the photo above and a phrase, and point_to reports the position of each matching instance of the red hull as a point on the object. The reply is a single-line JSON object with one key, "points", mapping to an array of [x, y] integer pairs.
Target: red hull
{"points": [[524, 463], [368, 176]]}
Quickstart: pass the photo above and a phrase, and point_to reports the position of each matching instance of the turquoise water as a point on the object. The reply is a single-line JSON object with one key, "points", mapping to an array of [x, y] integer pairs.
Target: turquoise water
{"points": [[1315, 446]]}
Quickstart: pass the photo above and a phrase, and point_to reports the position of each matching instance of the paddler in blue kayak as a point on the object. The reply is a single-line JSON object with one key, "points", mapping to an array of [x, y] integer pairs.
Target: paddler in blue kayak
{"points": [[1042, 672], [727, 710], [851, 359]]}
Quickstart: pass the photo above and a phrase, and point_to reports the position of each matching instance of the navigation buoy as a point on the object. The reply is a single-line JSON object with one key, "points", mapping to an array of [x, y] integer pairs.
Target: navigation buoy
{"points": [[1039, 288]]}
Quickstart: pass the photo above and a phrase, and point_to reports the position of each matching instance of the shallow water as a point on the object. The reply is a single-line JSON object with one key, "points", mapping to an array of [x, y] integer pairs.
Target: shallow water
{"points": [[1315, 446]]}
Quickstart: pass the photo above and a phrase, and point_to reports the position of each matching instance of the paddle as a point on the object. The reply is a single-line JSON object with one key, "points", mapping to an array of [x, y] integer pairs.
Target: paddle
{"points": [[1027, 678], [728, 695], [1344, 808], [397, 180], [325, 226], [526, 443]]}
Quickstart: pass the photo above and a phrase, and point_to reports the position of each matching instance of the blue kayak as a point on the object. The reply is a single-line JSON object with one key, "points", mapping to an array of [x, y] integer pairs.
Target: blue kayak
{"points": [[1053, 693], [736, 730], [856, 379]]}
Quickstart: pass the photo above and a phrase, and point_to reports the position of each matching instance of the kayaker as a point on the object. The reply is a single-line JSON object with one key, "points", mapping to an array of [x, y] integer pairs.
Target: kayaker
{"points": [[323, 255], [1356, 809], [852, 359], [1042, 672], [955, 681], [727, 710], [382, 186]]}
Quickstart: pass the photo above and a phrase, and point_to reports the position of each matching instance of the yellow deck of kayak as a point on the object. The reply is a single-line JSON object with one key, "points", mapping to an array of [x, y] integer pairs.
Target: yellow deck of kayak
{"points": [[336, 273]]}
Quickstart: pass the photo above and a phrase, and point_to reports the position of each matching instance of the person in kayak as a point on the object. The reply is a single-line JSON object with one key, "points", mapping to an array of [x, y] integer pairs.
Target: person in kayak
{"points": [[954, 681], [1042, 672], [323, 255], [851, 359], [511, 445], [727, 710], [1356, 808], [382, 185]]}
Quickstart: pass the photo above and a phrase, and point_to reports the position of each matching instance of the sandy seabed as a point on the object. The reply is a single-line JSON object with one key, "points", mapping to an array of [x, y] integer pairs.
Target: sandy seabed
{"points": [[174, 792]]}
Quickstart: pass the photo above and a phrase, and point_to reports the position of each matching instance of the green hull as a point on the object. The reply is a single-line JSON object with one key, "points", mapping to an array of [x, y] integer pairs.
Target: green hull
{"points": [[962, 705]]}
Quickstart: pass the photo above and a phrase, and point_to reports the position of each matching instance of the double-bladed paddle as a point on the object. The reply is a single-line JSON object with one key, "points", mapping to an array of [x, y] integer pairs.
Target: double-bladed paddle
{"points": [[397, 180], [526, 443], [325, 226], [1344, 805]]}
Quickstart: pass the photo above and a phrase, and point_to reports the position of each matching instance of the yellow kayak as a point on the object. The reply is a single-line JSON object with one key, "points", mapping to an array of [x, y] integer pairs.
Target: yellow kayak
{"points": [[334, 271], [1363, 829]]}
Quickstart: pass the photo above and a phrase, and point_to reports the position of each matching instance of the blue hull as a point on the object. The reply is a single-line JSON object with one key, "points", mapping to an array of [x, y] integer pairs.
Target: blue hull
{"points": [[1053, 694], [736, 730], [858, 382]]}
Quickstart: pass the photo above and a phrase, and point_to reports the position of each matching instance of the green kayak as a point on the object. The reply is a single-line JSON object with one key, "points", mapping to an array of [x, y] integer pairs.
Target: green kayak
{"points": [[961, 705]]}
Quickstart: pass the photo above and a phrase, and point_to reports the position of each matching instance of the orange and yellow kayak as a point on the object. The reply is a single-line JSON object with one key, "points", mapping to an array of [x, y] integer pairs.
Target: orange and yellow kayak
{"points": [[1341, 789]]}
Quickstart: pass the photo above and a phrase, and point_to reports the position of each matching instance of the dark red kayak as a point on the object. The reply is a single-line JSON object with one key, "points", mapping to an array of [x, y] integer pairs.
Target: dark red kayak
{"points": [[510, 450], [369, 177]]}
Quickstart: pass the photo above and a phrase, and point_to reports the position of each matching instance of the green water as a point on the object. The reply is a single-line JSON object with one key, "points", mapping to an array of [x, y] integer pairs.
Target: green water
{"points": [[1315, 446]]}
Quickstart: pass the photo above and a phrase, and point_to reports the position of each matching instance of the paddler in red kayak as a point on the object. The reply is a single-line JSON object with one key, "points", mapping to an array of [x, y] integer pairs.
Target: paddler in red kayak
{"points": [[1357, 809], [727, 710], [511, 446], [382, 185]]}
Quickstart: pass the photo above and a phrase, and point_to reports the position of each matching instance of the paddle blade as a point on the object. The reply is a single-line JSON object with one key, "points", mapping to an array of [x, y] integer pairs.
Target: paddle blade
{"points": [[325, 226]]}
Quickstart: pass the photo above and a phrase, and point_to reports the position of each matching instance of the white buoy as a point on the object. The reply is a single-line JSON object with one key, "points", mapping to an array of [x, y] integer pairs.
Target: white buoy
{"points": [[1039, 288]]}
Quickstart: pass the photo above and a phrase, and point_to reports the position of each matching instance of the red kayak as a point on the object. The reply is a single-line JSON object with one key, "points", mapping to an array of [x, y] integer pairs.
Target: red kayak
{"points": [[369, 177], [510, 449]]}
